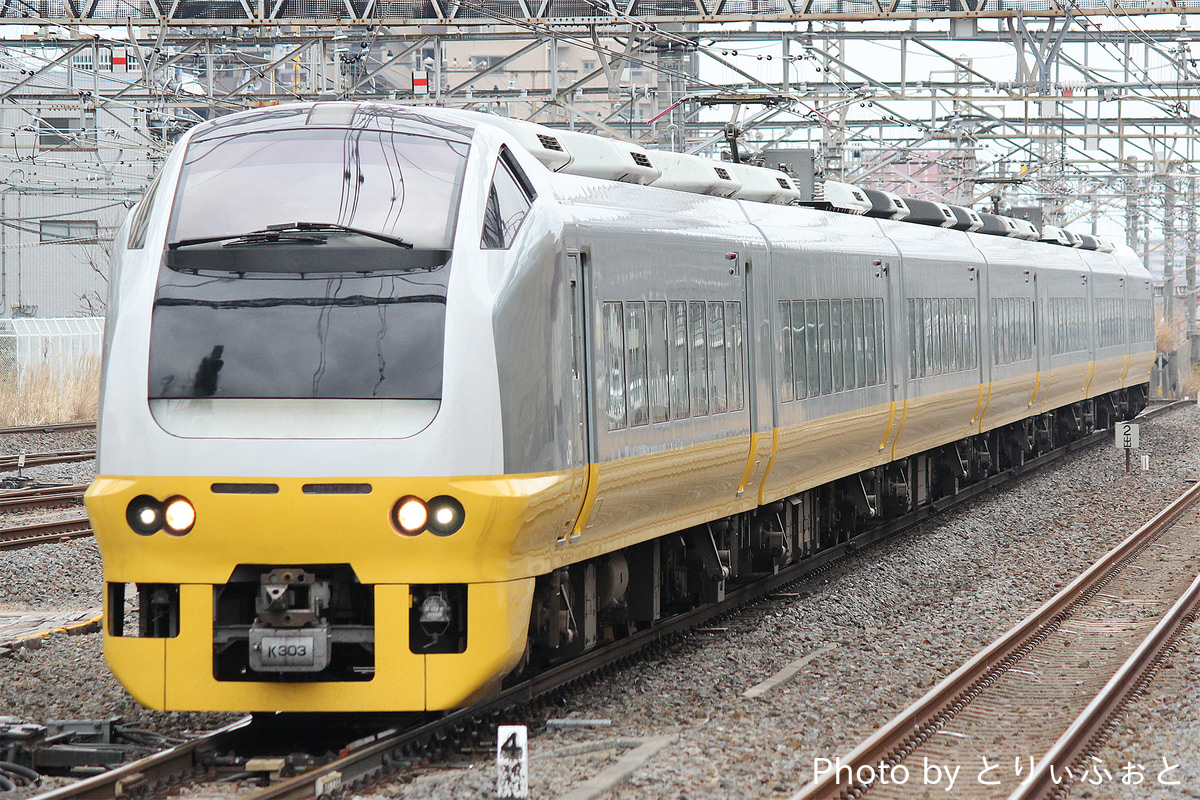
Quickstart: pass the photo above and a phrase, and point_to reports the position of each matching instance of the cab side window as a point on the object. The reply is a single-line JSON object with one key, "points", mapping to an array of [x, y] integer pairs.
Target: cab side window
{"points": [[508, 202]]}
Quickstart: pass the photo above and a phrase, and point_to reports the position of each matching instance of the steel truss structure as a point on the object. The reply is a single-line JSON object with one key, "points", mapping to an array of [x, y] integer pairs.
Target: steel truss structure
{"points": [[324, 13]]}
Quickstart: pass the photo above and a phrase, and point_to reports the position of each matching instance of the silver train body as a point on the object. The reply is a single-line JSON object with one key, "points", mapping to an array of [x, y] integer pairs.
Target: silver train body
{"points": [[563, 405]]}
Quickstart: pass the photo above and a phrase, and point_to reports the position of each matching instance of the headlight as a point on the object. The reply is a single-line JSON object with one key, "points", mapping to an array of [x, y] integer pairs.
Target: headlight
{"points": [[410, 515], [179, 516], [144, 515], [446, 515]]}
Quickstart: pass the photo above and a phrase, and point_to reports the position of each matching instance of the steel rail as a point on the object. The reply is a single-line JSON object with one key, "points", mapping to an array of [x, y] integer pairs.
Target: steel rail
{"points": [[41, 498], [146, 774], [22, 536], [906, 730], [8, 463], [52, 427], [1088, 729]]}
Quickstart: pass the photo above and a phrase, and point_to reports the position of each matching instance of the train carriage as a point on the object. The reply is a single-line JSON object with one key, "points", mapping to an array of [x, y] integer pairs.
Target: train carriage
{"points": [[400, 402]]}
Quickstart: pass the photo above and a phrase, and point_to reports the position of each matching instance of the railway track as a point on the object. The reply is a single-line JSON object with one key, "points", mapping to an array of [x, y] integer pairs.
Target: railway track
{"points": [[50, 428], [393, 751], [1020, 719], [14, 538], [42, 497], [9, 463]]}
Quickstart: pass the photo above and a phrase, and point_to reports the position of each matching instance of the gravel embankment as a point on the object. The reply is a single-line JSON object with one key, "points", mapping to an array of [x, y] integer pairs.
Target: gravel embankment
{"points": [[882, 628], [65, 576]]}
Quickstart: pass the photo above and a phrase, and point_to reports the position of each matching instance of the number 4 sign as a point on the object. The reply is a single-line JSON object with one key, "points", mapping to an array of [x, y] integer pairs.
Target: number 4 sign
{"points": [[512, 762]]}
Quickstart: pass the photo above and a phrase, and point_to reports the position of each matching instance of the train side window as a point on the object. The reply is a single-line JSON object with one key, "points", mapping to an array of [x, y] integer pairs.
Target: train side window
{"points": [[734, 347], [680, 395], [972, 334], [1085, 338], [929, 367], [848, 343], [945, 315], [1058, 320], [852, 336], [959, 306], [799, 350], [837, 336], [717, 375], [635, 363], [1054, 329], [508, 202], [952, 334], [957, 332], [1066, 324], [964, 326], [698, 358], [1067, 316], [1015, 321], [860, 347], [1016, 317], [786, 356], [914, 338], [1029, 340], [1016, 325], [881, 356], [614, 364], [826, 346], [1063, 326], [658, 340], [869, 364], [812, 344], [937, 352], [1000, 328]]}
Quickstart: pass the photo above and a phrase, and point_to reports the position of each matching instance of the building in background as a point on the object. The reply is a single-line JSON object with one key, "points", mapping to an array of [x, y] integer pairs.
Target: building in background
{"points": [[72, 163]]}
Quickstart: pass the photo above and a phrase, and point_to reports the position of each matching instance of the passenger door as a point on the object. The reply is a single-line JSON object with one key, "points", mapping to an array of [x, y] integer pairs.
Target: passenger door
{"points": [[579, 444]]}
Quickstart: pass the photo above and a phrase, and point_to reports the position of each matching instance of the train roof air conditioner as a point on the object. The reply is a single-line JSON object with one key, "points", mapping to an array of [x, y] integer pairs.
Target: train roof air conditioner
{"points": [[762, 185], [1054, 235], [844, 197], [686, 173], [608, 159]]}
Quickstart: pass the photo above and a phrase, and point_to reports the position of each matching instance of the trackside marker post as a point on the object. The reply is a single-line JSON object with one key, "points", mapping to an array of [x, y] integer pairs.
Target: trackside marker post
{"points": [[512, 762], [1127, 439]]}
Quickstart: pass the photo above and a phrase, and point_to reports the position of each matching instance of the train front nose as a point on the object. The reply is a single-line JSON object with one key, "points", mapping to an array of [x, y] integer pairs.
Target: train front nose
{"points": [[361, 616]]}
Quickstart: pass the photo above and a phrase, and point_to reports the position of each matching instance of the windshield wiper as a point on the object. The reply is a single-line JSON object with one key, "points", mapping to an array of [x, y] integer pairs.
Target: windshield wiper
{"points": [[279, 233]]}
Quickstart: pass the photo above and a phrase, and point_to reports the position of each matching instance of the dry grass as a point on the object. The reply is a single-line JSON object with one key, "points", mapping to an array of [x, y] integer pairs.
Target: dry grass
{"points": [[43, 395], [1189, 383], [1170, 335]]}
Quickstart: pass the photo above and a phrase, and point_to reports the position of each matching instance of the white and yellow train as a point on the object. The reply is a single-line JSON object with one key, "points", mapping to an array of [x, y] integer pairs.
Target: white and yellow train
{"points": [[399, 402]]}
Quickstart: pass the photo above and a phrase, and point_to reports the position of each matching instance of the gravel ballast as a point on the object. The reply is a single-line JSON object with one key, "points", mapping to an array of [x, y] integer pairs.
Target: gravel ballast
{"points": [[881, 628]]}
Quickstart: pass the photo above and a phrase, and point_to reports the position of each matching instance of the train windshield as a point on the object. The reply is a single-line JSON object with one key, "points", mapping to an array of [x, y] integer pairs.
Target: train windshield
{"points": [[307, 264], [389, 183]]}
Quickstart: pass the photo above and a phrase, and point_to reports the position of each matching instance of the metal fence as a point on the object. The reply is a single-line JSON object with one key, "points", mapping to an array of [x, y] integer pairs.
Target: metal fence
{"points": [[58, 344]]}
